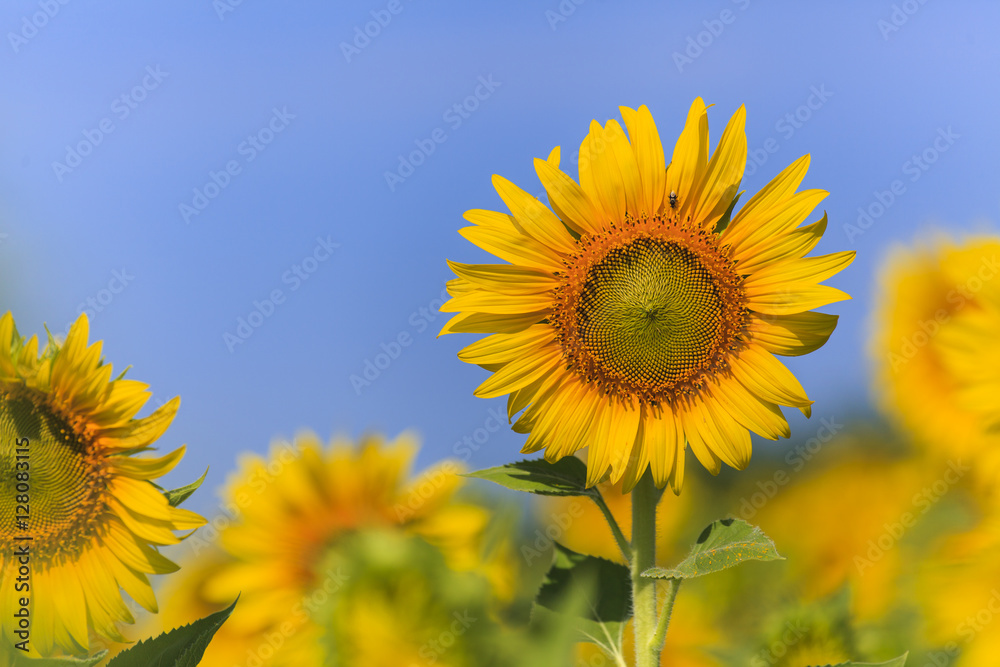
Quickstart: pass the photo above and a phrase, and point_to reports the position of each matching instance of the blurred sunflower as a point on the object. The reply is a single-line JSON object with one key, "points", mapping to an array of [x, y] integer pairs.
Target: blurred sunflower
{"points": [[298, 512], [934, 347], [959, 591], [400, 604], [882, 497], [88, 517], [631, 318]]}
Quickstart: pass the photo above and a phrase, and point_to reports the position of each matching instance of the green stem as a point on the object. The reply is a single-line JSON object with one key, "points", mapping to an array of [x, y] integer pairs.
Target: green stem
{"points": [[616, 530], [673, 585], [644, 498]]}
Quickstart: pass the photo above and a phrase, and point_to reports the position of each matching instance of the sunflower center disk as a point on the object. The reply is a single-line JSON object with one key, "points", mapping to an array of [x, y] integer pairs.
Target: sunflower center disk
{"points": [[650, 314], [63, 489]]}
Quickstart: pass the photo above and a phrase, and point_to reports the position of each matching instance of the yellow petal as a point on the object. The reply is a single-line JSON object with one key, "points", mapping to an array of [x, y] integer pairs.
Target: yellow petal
{"points": [[482, 301], [519, 373], [481, 323], [513, 248], [792, 335], [797, 270], [534, 217], [573, 204], [146, 468], [774, 194], [793, 244], [501, 348], [687, 167], [506, 278], [789, 299], [765, 376], [722, 174], [616, 175], [645, 140]]}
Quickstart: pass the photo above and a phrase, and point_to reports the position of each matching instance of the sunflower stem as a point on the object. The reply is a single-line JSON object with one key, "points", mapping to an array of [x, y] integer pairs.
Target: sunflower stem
{"points": [[616, 530], [673, 585], [644, 499]]}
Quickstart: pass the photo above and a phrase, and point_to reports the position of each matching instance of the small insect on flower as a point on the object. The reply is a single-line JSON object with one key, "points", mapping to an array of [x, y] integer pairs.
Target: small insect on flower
{"points": [[673, 199]]}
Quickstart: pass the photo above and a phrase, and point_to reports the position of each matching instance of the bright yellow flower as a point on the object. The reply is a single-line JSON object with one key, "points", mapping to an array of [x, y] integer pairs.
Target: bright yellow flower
{"points": [[626, 320], [294, 513], [843, 524], [92, 518], [959, 591], [937, 364]]}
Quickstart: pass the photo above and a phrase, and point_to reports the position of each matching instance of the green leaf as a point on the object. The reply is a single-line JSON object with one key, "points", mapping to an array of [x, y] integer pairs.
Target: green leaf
{"points": [[604, 587], [722, 545], [177, 496], [565, 477], [895, 662], [181, 647], [59, 662]]}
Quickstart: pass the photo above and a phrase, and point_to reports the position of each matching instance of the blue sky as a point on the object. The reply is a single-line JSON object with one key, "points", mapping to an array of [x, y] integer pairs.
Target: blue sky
{"points": [[259, 118]]}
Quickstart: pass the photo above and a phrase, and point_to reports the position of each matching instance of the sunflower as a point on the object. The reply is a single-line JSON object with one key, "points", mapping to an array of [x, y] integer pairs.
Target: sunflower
{"points": [[885, 498], [82, 518], [958, 587], [293, 517], [934, 347], [632, 316]]}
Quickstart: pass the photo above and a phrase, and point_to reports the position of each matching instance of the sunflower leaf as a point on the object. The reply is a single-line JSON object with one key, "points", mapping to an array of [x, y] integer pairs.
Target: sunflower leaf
{"points": [[177, 496], [565, 477], [181, 647], [597, 591], [895, 662], [721, 545], [89, 661]]}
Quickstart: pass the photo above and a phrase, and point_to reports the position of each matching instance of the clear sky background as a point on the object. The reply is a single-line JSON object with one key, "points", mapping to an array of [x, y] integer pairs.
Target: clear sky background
{"points": [[200, 78]]}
